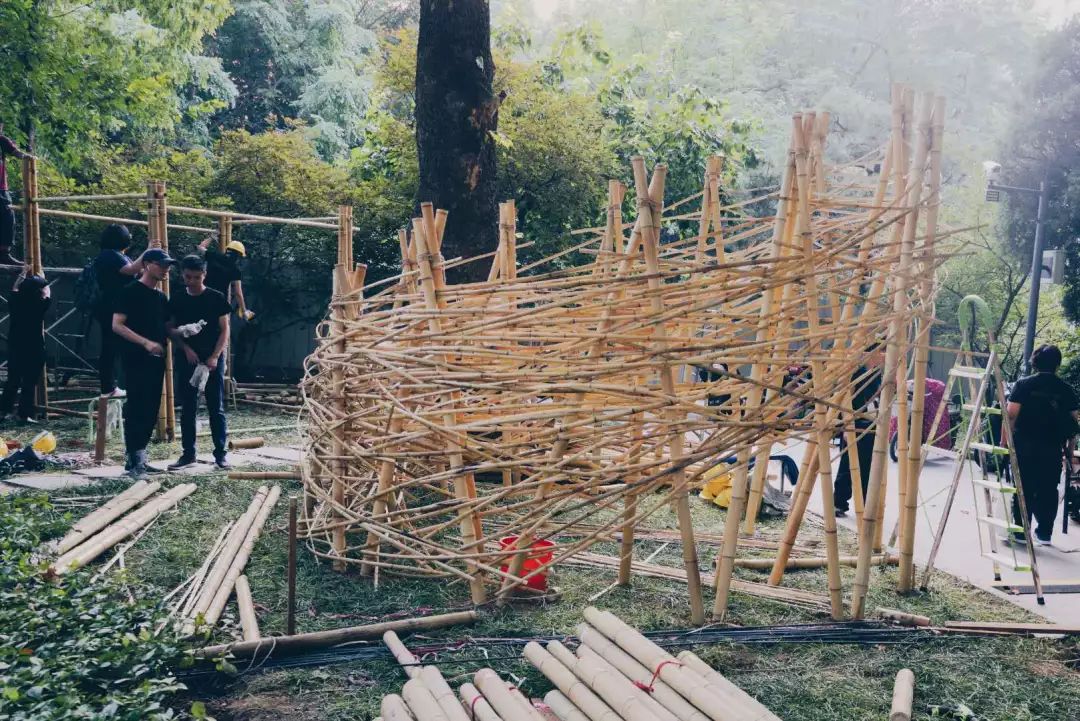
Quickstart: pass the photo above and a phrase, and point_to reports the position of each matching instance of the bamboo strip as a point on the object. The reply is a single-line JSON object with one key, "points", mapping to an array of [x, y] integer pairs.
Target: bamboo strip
{"points": [[114, 508], [109, 536]]}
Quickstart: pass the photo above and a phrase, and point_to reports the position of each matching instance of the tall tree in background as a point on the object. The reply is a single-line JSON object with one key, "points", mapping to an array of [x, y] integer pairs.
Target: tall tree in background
{"points": [[457, 114]]}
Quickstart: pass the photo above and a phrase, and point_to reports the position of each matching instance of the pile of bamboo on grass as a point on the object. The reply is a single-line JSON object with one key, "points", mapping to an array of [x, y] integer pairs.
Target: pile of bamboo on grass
{"points": [[203, 596], [442, 416], [107, 526], [269, 395], [615, 674]]}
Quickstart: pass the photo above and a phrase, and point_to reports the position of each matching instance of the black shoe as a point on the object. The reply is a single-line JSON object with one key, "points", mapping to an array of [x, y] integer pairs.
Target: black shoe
{"points": [[840, 513], [222, 463], [183, 462]]}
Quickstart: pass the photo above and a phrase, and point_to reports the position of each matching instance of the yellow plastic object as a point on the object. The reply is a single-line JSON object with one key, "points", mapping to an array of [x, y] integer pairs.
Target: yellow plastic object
{"points": [[238, 247], [717, 486], [44, 442], [3, 448]]}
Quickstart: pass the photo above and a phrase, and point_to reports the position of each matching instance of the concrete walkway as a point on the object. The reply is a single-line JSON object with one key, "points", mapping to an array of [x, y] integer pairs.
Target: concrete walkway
{"points": [[960, 555]]}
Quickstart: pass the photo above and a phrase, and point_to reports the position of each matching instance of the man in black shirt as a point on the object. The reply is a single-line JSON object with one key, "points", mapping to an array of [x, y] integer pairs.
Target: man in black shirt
{"points": [[139, 319], [1043, 411], [867, 379], [113, 270], [199, 326], [26, 338], [223, 271]]}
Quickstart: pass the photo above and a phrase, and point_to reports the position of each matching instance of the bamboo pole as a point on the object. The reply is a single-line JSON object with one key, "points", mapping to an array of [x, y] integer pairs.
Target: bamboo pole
{"points": [[393, 708], [109, 536], [248, 621], [763, 564], [748, 706], [290, 574], [689, 684], [101, 429], [228, 552], [241, 443], [114, 508], [596, 642], [187, 210], [264, 475], [88, 198], [903, 696], [479, 708], [422, 702], [650, 200], [337, 379], [217, 605], [563, 708], [618, 693], [409, 663], [499, 695], [590, 663], [326, 639], [902, 617], [443, 694], [563, 679]]}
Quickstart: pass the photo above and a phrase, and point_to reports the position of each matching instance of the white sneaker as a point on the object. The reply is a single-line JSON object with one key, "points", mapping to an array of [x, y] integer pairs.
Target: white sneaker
{"points": [[1041, 542]]}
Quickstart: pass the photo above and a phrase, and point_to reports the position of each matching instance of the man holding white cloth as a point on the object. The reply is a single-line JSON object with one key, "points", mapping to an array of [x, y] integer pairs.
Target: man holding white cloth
{"points": [[199, 328]]}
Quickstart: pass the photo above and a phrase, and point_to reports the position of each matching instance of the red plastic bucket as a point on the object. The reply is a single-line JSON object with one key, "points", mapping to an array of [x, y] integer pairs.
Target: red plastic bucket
{"points": [[538, 555]]}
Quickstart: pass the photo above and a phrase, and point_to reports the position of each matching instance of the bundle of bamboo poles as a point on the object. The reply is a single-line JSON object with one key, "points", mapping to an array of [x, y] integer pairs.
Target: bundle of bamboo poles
{"points": [[443, 416], [615, 674], [108, 525], [203, 596]]}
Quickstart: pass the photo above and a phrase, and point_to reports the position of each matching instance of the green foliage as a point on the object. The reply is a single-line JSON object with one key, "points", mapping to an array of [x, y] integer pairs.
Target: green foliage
{"points": [[73, 648], [77, 74]]}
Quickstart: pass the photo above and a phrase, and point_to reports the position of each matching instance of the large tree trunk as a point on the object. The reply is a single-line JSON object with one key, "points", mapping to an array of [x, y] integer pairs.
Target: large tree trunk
{"points": [[456, 111]]}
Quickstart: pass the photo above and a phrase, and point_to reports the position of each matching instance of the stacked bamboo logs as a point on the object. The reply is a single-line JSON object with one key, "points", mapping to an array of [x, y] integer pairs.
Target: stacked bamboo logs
{"points": [[444, 417], [614, 674], [207, 595], [107, 526]]}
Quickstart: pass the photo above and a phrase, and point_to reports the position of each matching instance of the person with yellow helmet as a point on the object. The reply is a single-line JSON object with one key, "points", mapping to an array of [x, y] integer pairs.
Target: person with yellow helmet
{"points": [[223, 271]]}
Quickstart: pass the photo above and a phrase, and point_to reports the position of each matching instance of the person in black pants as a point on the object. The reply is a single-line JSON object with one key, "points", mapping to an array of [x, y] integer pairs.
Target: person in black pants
{"points": [[1043, 411], [26, 340], [867, 381], [114, 270], [139, 320], [7, 215], [199, 328]]}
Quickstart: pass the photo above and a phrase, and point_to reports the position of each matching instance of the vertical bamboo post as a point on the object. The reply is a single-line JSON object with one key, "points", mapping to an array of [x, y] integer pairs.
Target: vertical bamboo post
{"points": [[339, 401], [650, 201], [630, 502], [154, 240], [290, 610], [738, 505], [821, 411], [32, 253], [930, 141], [875, 492], [169, 398], [101, 419], [224, 236], [464, 485]]}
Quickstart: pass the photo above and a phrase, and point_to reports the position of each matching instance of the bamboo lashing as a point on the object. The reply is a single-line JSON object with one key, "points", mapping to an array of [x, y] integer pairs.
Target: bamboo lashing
{"points": [[430, 405]]}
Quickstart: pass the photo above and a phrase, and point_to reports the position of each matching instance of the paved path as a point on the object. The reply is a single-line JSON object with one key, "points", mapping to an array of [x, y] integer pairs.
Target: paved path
{"points": [[960, 554]]}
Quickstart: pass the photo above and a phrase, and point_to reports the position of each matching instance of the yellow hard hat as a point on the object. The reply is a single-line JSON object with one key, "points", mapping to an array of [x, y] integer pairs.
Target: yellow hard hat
{"points": [[44, 442], [237, 246]]}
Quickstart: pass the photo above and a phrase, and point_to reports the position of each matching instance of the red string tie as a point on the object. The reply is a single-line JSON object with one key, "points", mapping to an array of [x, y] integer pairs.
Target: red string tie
{"points": [[648, 688]]}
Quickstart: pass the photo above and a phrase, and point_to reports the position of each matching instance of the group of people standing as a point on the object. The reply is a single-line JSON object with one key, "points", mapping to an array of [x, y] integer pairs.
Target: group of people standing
{"points": [[136, 321]]}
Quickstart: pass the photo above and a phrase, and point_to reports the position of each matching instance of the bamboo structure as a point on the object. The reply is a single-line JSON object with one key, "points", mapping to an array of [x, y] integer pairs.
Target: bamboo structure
{"points": [[453, 429]]}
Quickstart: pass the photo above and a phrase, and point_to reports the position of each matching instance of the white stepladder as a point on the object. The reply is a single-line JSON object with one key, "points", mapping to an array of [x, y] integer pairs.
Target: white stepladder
{"points": [[992, 496]]}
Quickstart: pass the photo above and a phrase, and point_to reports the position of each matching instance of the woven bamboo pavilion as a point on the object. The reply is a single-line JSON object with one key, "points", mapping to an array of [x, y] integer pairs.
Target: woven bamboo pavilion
{"points": [[564, 405]]}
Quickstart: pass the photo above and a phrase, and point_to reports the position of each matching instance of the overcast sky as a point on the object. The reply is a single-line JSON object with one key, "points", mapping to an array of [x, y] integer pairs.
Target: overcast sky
{"points": [[1055, 11]]}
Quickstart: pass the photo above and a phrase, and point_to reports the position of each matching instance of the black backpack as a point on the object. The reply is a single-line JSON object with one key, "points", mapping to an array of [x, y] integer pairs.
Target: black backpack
{"points": [[88, 295]]}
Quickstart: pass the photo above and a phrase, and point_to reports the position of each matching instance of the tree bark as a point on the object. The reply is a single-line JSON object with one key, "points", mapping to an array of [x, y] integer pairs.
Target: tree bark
{"points": [[456, 113]]}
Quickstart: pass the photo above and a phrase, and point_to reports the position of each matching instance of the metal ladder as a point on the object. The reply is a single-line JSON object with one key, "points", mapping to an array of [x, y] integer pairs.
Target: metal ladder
{"points": [[995, 516]]}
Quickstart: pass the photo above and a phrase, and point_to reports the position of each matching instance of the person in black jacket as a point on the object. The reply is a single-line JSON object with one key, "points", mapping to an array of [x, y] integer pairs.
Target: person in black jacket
{"points": [[27, 343], [867, 380], [1043, 410], [114, 270]]}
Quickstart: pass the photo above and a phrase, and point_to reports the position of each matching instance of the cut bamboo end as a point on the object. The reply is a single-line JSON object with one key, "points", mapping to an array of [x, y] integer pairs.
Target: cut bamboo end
{"points": [[903, 696], [240, 443], [903, 617], [409, 663], [248, 621]]}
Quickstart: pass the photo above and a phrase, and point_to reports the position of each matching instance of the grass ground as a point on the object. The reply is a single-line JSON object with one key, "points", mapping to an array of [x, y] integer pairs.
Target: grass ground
{"points": [[1002, 679]]}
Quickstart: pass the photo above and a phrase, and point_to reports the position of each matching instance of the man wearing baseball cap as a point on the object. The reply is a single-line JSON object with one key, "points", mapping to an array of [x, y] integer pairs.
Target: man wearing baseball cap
{"points": [[139, 318]]}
